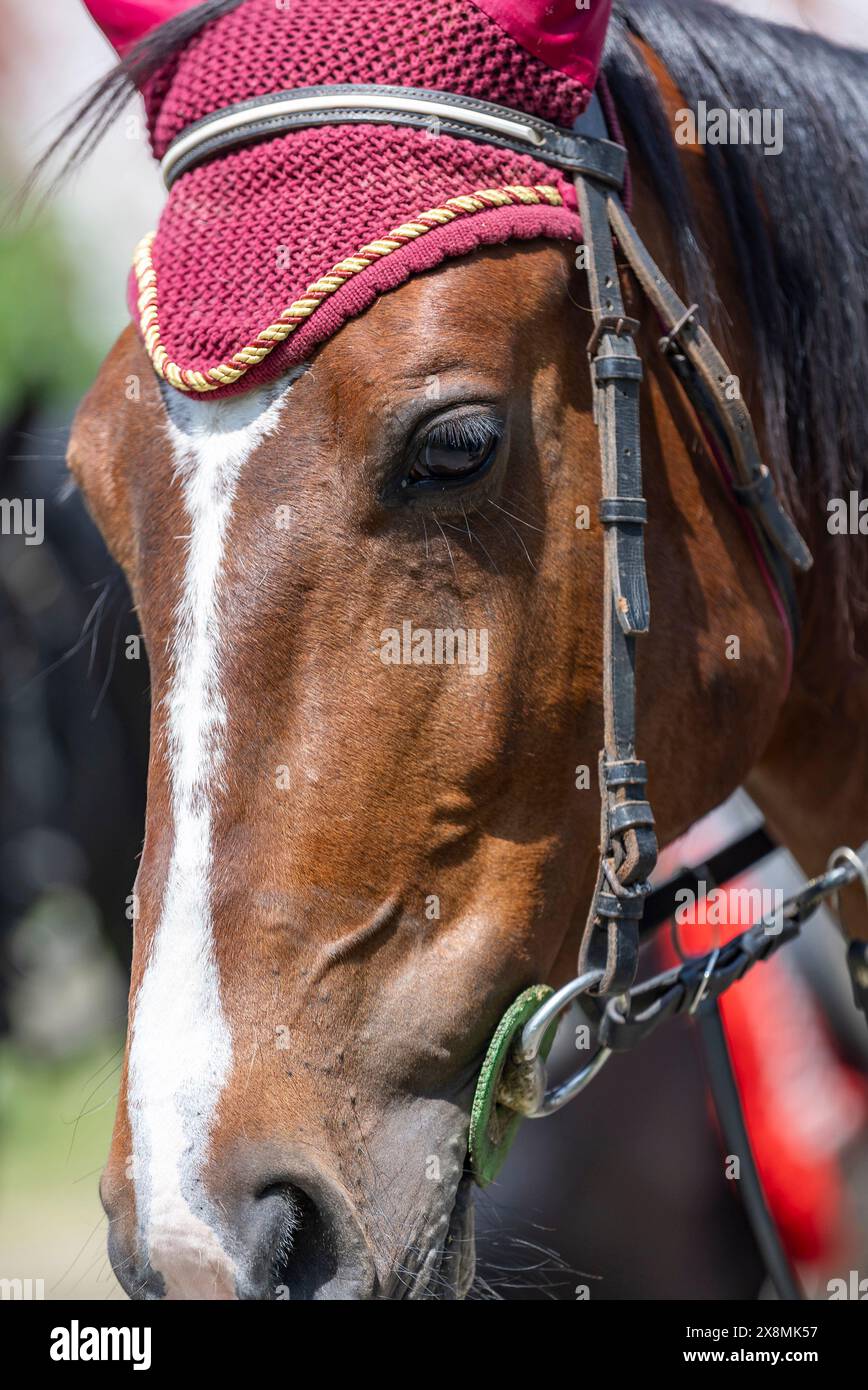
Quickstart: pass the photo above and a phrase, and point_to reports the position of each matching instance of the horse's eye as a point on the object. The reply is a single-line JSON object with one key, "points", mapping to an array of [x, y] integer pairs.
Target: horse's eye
{"points": [[455, 450]]}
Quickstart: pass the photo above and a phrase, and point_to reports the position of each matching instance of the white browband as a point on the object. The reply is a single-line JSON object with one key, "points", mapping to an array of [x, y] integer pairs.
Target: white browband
{"points": [[344, 101]]}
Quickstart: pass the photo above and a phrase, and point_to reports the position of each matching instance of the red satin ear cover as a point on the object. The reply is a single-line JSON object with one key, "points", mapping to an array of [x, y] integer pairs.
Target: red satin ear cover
{"points": [[560, 32], [124, 22], [567, 35]]}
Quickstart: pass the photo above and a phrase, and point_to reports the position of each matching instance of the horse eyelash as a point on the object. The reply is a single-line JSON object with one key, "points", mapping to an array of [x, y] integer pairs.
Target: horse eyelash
{"points": [[470, 432]]}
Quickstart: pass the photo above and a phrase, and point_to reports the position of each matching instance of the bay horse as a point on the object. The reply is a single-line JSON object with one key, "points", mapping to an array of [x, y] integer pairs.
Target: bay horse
{"points": [[351, 866]]}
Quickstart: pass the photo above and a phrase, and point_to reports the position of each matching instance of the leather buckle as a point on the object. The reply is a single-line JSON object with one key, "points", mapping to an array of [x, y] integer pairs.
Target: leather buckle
{"points": [[618, 324], [758, 492], [668, 341]]}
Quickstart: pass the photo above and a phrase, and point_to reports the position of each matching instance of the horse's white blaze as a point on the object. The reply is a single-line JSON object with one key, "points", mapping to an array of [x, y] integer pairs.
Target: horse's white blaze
{"points": [[181, 1046]]}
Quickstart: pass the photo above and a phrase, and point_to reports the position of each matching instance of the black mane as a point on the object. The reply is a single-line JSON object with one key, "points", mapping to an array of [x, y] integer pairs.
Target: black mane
{"points": [[798, 221]]}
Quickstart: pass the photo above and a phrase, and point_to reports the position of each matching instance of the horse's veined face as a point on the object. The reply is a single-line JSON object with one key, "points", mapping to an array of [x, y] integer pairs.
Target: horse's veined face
{"points": [[372, 616]]}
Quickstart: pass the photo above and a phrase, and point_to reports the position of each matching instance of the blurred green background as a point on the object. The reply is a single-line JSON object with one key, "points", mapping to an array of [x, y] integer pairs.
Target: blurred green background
{"points": [[73, 713]]}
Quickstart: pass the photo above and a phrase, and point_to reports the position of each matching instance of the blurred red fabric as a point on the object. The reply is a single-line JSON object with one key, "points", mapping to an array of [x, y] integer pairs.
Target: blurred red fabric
{"points": [[124, 22], [801, 1103]]}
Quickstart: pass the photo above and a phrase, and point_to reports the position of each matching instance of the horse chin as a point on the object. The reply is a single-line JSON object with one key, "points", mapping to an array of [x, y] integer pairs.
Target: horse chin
{"points": [[446, 1272]]}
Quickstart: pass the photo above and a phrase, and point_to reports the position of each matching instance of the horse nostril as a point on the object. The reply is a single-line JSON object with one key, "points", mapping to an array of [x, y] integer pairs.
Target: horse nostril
{"points": [[304, 1257], [309, 1246]]}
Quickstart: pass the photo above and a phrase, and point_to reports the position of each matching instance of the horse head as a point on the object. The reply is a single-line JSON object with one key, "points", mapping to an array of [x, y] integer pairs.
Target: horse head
{"points": [[371, 587]]}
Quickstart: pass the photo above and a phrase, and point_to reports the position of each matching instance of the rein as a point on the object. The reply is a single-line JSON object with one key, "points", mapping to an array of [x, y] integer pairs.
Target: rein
{"points": [[512, 1084]]}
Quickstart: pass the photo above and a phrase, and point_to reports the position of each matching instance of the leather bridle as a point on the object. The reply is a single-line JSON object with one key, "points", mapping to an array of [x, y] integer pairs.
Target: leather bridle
{"points": [[513, 1081], [628, 843]]}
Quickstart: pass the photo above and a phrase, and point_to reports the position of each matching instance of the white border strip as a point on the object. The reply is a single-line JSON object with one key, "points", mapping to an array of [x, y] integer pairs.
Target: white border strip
{"points": [[235, 120]]}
